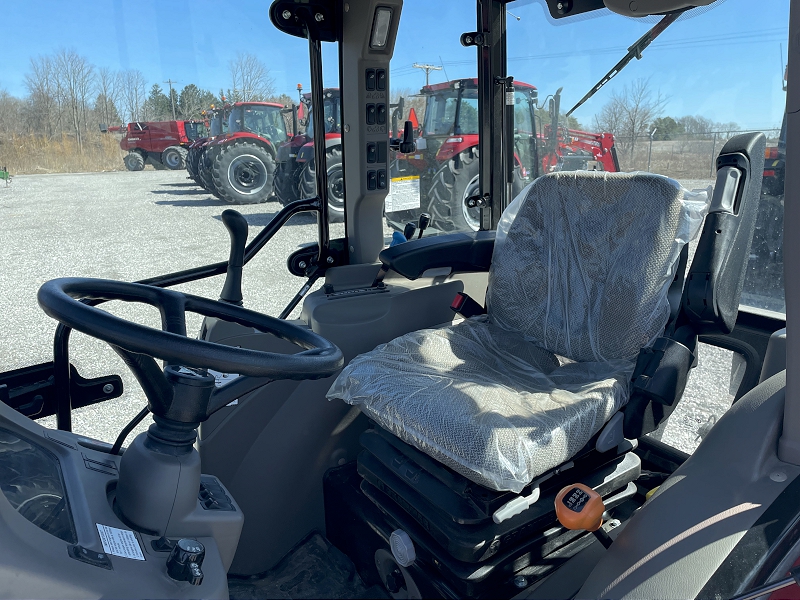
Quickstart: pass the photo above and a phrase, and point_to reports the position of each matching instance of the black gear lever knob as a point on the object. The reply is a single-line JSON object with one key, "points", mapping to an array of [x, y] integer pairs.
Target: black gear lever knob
{"points": [[236, 225], [424, 221], [185, 560], [409, 230]]}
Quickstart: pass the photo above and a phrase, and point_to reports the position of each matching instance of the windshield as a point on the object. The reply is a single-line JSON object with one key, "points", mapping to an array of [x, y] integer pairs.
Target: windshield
{"points": [[218, 125], [452, 112], [333, 117], [195, 130], [265, 121]]}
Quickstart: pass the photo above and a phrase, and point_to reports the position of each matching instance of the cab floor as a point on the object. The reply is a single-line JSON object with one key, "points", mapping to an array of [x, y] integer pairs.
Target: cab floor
{"points": [[312, 569]]}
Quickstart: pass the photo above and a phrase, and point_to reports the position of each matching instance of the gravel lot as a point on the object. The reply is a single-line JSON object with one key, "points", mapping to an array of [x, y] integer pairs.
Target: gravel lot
{"points": [[130, 226]]}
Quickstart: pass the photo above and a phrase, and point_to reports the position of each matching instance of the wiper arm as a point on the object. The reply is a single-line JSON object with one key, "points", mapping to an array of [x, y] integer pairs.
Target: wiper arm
{"points": [[634, 51]]}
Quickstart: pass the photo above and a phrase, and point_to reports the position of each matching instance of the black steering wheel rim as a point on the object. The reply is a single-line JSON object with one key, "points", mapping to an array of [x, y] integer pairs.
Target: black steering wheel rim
{"points": [[61, 300]]}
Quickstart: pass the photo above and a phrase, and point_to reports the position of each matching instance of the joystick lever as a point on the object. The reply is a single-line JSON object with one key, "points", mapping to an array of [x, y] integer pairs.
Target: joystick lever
{"points": [[424, 221], [406, 144], [579, 507], [236, 225]]}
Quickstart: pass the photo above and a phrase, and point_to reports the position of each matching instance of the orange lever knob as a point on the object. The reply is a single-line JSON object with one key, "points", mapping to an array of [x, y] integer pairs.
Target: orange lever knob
{"points": [[579, 507]]}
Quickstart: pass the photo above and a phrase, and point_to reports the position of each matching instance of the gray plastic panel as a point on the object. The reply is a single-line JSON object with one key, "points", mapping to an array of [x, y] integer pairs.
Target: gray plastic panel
{"points": [[681, 536]]}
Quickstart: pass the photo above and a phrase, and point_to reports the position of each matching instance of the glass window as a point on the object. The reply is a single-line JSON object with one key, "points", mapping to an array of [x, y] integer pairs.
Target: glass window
{"points": [[118, 205]]}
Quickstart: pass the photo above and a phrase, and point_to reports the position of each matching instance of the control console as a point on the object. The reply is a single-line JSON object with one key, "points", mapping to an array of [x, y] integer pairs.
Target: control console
{"points": [[64, 536]]}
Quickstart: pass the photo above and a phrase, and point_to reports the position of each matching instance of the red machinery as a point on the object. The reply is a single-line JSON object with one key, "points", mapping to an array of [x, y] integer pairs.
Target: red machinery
{"points": [[161, 143], [239, 166], [443, 173]]}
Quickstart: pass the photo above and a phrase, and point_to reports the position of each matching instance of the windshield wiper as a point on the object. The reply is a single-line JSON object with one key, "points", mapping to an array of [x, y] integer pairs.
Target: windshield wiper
{"points": [[634, 51]]}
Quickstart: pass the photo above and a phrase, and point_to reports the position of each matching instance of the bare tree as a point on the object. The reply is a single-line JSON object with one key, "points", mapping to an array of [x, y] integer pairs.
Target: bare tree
{"points": [[43, 110], [629, 113], [250, 79], [11, 111], [108, 92], [75, 77], [133, 94]]}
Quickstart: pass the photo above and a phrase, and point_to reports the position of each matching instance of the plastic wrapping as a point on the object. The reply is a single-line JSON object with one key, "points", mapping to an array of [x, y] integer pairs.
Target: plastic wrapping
{"points": [[484, 401], [583, 261], [578, 285]]}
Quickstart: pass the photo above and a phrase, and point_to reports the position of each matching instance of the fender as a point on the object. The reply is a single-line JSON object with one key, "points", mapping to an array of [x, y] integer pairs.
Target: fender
{"points": [[306, 153], [456, 144], [252, 138]]}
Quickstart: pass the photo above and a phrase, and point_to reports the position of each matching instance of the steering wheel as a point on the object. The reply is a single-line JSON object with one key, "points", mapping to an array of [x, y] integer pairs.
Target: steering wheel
{"points": [[60, 299]]}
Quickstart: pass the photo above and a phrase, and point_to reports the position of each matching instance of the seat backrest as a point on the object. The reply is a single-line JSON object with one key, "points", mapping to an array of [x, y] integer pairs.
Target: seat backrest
{"points": [[583, 261]]}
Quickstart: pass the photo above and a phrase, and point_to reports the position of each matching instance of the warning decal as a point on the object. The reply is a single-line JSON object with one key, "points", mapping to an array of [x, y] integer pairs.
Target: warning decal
{"points": [[403, 194], [120, 542]]}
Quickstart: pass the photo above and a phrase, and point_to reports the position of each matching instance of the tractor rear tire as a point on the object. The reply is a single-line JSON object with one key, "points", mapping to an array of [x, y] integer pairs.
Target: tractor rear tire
{"points": [[243, 173], [285, 185], [174, 158], [450, 188], [193, 158], [308, 184], [205, 175], [134, 161]]}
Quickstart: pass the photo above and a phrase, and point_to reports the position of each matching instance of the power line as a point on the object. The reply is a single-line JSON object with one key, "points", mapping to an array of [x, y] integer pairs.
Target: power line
{"points": [[427, 69]]}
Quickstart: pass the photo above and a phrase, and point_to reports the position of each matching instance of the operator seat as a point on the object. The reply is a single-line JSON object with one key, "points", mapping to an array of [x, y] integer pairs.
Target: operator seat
{"points": [[578, 286]]}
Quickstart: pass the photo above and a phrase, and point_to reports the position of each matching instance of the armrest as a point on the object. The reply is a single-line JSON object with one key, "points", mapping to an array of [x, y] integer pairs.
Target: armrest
{"points": [[459, 251]]}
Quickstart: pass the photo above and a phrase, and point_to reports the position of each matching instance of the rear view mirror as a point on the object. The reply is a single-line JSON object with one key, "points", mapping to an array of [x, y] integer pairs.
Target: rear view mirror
{"points": [[643, 8]]}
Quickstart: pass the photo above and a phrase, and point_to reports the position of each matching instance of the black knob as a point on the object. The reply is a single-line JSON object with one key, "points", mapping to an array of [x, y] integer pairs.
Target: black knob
{"points": [[185, 560], [409, 230], [236, 225], [407, 145], [424, 221]]}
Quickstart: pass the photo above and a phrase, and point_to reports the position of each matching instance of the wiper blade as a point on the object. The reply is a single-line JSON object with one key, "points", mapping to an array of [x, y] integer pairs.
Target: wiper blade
{"points": [[634, 51]]}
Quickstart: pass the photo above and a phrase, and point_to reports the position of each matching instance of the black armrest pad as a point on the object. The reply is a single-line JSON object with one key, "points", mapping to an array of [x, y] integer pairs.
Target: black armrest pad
{"points": [[459, 251]]}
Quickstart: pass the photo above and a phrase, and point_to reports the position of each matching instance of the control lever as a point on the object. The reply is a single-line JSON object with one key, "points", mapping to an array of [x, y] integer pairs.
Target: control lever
{"points": [[236, 225], [406, 144], [579, 507], [409, 230], [424, 221]]}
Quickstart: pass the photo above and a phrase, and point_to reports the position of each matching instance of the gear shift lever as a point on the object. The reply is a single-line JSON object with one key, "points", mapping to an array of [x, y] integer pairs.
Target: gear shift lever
{"points": [[579, 507], [236, 225]]}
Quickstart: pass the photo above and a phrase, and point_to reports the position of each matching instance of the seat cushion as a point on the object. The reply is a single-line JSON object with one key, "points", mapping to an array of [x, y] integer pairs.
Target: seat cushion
{"points": [[484, 401]]}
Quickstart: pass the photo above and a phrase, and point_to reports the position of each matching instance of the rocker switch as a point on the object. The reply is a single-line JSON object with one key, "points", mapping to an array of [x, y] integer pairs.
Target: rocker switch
{"points": [[372, 152], [369, 76], [381, 179], [380, 76], [381, 114], [371, 180], [370, 114]]}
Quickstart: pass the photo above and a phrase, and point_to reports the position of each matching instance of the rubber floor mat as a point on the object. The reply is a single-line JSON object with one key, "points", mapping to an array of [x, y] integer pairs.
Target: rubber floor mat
{"points": [[312, 569]]}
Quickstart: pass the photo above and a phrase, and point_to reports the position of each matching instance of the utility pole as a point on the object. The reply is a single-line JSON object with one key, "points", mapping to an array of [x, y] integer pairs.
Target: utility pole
{"points": [[172, 98], [427, 69]]}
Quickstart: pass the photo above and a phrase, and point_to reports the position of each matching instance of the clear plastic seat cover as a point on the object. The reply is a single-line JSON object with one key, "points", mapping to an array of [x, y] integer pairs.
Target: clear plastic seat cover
{"points": [[578, 285]]}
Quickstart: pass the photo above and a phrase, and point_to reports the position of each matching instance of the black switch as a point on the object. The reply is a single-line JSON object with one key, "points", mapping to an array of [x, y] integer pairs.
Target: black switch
{"points": [[370, 79], [382, 179], [372, 152], [370, 114], [380, 84], [381, 152], [381, 114], [371, 180], [97, 559]]}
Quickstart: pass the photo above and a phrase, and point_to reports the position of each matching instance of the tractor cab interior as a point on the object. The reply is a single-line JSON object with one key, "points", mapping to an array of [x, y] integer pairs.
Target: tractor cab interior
{"points": [[482, 409]]}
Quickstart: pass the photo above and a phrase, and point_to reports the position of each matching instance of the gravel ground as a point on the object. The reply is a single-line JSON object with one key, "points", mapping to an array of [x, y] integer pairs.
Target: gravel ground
{"points": [[130, 226]]}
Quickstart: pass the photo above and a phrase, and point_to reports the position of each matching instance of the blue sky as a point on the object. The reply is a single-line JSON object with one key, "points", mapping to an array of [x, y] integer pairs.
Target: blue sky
{"points": [[724, 64]]}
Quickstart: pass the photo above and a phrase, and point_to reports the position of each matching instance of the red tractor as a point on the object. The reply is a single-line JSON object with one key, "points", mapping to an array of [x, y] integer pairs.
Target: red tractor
{"points": [[239, 166], [443, 173], [295, 176], [218, 124], [161, 143]]}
